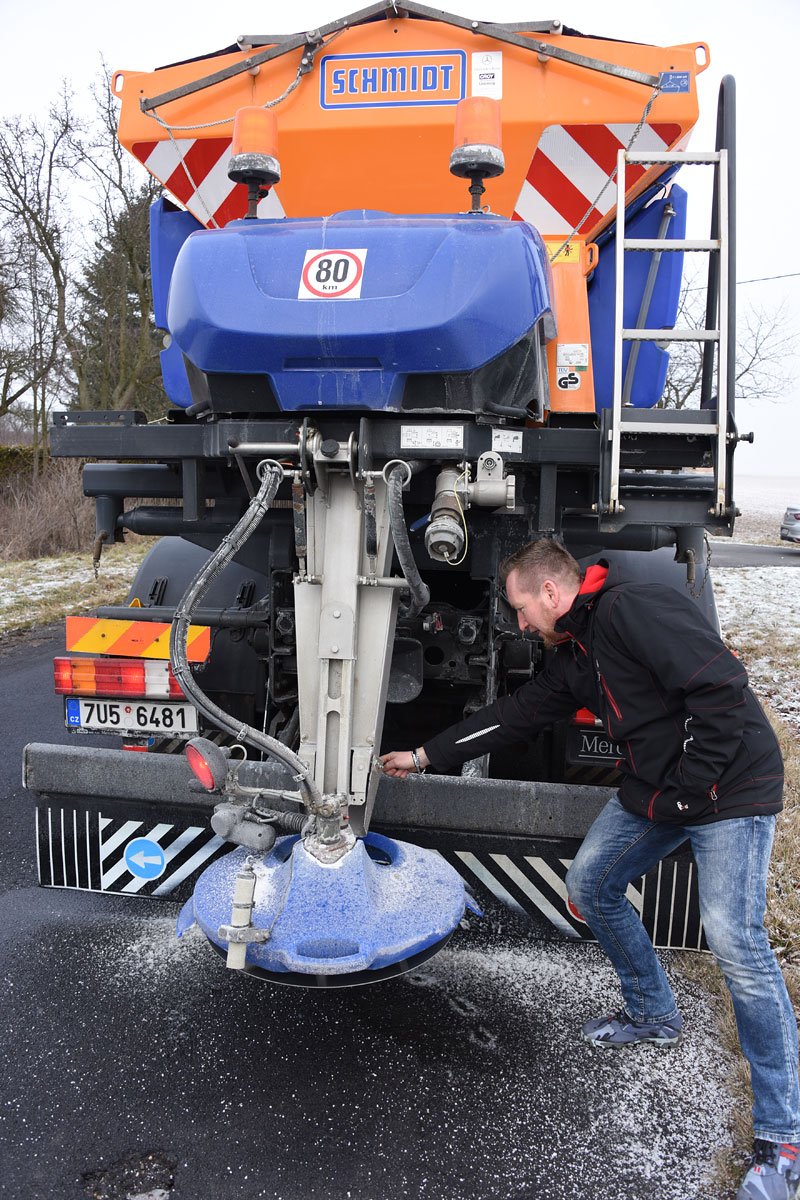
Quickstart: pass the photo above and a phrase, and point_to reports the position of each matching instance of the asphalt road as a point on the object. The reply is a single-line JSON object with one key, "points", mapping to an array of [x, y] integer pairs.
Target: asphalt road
{"points": [[134, 1067], [741, 554]]}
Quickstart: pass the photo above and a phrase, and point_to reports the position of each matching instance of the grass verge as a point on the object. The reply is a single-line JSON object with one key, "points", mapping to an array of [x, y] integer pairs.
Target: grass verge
{"points": [[44, 590]]}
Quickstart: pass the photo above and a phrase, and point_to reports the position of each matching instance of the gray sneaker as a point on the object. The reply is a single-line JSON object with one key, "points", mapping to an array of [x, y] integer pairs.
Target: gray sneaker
{"points": [[620, 1030], [775, 1173]]}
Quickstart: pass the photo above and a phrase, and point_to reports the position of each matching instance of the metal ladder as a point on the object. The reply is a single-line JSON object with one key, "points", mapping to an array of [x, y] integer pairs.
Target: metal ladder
{"points": [[707, 421]]}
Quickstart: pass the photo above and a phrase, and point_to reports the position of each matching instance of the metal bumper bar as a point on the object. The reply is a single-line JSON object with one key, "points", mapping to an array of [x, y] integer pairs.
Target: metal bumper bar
{"points": [[513, 807]]}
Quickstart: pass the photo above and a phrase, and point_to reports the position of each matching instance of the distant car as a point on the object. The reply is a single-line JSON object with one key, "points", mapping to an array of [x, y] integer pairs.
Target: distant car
{"points": [[790, 526]]}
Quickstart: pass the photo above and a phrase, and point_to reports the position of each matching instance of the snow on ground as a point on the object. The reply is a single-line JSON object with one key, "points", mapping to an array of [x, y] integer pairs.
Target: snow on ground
{"points": [[509, 1102], [32, 581], [759, 611]]}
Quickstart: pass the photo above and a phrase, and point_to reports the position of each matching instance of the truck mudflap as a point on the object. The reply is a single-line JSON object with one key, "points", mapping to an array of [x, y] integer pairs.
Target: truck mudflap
{"points": [[512, 842]]}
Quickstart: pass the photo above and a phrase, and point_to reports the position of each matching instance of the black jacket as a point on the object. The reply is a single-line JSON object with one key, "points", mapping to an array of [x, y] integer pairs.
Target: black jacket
{"points": [[696, 744]]}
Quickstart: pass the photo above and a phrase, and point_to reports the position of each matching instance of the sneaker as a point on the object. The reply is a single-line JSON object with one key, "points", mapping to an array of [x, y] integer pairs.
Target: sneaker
{"points": [[619, 1030], [775, 1173]]}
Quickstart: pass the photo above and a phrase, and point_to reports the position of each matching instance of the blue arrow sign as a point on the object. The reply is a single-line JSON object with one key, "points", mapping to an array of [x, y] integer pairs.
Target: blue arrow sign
{"points": [[145, 859]]}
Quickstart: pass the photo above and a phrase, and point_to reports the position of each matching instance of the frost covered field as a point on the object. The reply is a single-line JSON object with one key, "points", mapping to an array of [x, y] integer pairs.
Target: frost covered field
{"points": [[759, 607], [38, 592], [759, 611], [763, 500]]}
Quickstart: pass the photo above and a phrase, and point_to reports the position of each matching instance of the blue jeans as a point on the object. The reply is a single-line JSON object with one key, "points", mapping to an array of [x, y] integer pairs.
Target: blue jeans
{"points": [[732, 857]]}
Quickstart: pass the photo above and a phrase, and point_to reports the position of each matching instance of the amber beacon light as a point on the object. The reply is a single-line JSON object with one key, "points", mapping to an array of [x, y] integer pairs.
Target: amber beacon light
{"points": [[477, 144], [254, 158]]}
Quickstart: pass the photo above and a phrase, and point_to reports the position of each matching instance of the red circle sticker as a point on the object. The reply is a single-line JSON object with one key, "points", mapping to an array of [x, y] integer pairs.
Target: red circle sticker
{"points": [[332, 274]]}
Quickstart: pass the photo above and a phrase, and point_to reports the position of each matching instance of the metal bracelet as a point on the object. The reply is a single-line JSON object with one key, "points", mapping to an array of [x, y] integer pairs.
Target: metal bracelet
{"points": [[417, 764]]}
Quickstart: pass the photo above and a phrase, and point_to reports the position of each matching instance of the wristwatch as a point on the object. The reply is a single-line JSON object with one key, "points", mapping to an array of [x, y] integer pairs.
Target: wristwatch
{"points": [[417, 764]]}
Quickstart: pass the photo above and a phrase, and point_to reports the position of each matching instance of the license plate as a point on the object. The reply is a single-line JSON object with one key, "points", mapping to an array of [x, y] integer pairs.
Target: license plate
{"points": [[131, 716]]}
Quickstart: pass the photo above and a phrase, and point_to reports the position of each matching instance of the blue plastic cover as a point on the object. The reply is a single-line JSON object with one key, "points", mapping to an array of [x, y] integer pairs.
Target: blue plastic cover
{"points": [[169, 229], [651, 365], [361, 913], [438, 295]]}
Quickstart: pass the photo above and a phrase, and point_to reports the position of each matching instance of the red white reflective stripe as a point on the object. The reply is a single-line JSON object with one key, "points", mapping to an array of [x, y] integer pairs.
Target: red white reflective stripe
{"points": [[570, 167], [195, 172], [566, 175]]}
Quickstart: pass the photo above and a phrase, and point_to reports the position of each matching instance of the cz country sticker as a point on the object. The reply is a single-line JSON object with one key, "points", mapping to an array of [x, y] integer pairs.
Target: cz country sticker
{"points": [[409, 78], [332, 275]]}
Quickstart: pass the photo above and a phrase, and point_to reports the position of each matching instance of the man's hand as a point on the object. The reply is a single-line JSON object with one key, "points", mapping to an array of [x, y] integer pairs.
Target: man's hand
{"points": [[401, 762]]}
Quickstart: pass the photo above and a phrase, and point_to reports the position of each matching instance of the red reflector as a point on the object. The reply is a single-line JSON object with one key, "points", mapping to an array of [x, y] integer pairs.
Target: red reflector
{"points": [[129, 677], [584, 717], [199, 767]]}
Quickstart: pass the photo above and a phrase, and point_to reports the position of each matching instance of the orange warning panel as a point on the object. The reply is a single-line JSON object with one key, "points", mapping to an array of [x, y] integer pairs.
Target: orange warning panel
{"points": [[132, 639]]}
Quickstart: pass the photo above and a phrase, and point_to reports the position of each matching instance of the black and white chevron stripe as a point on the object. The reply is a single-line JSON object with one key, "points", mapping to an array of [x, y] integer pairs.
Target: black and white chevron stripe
{"points": [[80, 847], [665, 899], [83, 849]]}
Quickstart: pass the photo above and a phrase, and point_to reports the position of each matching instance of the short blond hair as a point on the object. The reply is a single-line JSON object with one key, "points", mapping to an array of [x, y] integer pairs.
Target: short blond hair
{"points": [[543, 559]]}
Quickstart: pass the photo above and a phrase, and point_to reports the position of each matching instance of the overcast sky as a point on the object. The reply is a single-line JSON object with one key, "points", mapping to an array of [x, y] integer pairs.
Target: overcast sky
{"points": [[45, 41]]}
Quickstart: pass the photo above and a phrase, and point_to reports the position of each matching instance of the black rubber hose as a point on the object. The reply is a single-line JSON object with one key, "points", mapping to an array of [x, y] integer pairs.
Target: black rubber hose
{"points": [[420, 593], [506, 410], [228, 547]]}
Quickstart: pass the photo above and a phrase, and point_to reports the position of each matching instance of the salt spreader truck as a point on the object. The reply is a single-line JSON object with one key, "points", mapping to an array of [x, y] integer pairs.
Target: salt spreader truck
{"points": [[419, 279]]}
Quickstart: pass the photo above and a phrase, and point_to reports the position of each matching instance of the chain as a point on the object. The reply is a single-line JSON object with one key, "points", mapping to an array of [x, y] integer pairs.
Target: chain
{"points": [[197, 191], [304, 67], [612, 176], [697, 594]]}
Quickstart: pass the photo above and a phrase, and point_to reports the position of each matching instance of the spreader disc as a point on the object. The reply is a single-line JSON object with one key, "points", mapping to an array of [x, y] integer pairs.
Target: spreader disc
{"points": [[356, 979]]}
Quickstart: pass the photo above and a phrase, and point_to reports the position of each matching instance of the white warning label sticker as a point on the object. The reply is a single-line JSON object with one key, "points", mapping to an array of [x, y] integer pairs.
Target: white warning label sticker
{"points": [[573, 354], [507, 441], [431, 437], [487, 73], [332, 275]]}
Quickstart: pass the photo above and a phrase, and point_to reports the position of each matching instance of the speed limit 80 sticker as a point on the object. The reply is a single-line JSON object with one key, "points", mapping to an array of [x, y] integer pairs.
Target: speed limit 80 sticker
{"points": [[332, 275]]}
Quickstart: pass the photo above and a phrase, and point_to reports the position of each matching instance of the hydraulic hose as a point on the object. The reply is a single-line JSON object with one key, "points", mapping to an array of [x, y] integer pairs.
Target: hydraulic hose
{"points": [[271, 474], [420, 593]]}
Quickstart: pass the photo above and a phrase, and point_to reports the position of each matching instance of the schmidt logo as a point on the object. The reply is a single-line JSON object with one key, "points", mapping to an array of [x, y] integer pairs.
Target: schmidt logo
{"points": [[427, 77]]}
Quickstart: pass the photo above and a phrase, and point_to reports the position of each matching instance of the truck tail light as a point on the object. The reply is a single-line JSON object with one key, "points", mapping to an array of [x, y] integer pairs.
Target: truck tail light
{"points": [[148, 677]]}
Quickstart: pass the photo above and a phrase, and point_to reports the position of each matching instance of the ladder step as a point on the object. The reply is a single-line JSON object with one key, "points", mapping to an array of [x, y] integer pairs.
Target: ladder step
{"points": [[666, 244], [672, 430], [670, 335], [691, 157]]}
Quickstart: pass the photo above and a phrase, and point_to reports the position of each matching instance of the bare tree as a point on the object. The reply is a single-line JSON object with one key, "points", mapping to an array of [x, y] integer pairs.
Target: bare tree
{"points": [[764, 345], [36, 161], [120, 344], [75, 308], [29, 340]]}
